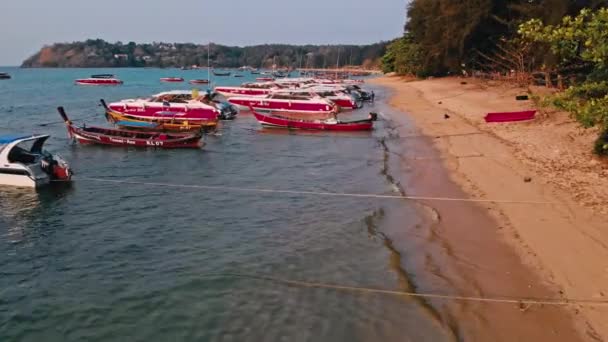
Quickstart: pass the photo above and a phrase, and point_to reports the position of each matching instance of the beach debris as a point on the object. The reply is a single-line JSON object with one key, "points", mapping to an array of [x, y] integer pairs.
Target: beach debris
{"points": [[527, 179], [446, 116], [463, 82], [522, 97], [440, 102]]}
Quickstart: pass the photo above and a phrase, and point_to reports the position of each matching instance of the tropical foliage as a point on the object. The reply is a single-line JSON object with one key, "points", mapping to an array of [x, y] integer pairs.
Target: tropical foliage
{"points": [[581, 40], [99, 53], [448, 34]]}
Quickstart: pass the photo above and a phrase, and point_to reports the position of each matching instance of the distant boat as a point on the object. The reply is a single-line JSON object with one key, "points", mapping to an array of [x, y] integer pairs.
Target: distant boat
{"points": [[265, 79], [101, 79], [4, 76], [119, 137], [227, 73], [200, 81], [238, 75], [255, 72], [172, 79]]}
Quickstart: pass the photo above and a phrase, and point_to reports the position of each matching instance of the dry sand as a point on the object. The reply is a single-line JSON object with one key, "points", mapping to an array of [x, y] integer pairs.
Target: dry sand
{"points": [[566, 242]]}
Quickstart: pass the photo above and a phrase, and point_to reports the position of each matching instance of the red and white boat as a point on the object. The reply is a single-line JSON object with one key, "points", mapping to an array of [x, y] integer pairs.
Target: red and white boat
{"points": [[102, 80], [341, 98], [172, 79], [285, 101], [119, 137], [175, 105], [247, 89], [270, 119]]}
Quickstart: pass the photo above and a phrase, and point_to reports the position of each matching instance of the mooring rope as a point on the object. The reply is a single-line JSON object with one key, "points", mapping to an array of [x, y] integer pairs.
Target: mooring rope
{"points": [[308, 193], [502, 300]]}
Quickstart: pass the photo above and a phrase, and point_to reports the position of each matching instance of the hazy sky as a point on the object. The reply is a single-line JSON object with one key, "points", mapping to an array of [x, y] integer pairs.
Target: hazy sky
{"points": [[26, 25]]}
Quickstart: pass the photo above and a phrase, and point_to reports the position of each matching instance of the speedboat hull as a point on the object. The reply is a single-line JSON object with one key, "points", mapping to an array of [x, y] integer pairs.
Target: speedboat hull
{"points": [[276, 104], [99, 81]]}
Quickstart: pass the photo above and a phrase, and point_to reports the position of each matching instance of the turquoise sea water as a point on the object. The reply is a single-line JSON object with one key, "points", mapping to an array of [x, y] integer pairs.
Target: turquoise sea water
{"points": [[116, 262]]}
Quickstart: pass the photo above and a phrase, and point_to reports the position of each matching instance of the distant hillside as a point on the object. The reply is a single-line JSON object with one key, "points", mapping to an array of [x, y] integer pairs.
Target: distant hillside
{"points": [[99, 53]]}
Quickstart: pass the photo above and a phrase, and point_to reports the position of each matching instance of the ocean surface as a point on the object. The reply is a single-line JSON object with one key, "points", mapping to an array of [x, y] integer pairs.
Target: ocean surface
{"points": [[98, 261]]}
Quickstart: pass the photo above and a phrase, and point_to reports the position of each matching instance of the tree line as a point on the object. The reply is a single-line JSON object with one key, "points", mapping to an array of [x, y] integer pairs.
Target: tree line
{"points": [[564, 37], [99, 53]]}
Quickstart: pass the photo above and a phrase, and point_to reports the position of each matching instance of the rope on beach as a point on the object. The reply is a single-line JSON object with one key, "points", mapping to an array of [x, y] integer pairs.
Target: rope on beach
{"points": [[307, 193], [346, 288]]}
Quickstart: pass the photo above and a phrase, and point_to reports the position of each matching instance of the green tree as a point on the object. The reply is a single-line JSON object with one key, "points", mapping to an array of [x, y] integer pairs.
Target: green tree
{"points": [[582, 39]]}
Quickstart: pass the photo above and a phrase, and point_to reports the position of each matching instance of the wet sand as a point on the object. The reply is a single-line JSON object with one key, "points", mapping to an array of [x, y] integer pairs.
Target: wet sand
{"points": [[490, 250]]}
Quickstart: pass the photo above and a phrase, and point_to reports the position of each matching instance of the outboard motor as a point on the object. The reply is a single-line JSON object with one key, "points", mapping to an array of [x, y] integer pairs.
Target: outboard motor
{"points": [[56, 167], [227, 111]]}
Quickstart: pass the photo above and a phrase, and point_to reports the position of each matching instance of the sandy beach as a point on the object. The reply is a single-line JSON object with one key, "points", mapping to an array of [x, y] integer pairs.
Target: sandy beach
{"points": [[562, 240]]}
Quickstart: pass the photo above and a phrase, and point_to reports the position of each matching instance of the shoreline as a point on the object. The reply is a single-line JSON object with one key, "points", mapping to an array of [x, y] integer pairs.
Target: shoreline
{"points": [[560, 244]]}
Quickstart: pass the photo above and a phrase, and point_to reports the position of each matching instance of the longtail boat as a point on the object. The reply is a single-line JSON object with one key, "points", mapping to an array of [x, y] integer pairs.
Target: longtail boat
{"points": [[219, 73], [4, 76], [268, 118], [118, 137], [199, 81], [510, 116]]}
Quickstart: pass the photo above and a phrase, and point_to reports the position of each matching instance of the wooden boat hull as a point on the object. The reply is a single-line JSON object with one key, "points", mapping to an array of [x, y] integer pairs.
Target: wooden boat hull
{"points": [[113, 137], [118, 137], [275, 121], [172, 79], [175, 125]]}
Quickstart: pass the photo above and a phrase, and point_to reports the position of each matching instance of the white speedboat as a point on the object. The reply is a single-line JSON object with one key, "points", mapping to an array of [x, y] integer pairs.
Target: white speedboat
{"points": [[23, 162]]}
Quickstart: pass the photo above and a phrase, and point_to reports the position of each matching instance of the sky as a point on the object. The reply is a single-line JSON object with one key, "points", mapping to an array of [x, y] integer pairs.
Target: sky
{"points": [[27, 25]]}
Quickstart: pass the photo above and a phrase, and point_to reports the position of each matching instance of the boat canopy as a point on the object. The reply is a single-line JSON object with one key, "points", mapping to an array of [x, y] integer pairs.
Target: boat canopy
{"points": [[142, 124], [9, 138]]}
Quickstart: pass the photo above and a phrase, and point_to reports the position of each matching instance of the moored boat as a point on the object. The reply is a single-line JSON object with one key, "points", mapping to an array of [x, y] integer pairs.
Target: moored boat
{"points": [[268, 118], [118, 137], [172, 79], [162, 124], [290, 102], [176, 105], [102, 79], [265, 79], [4, 76], [199, 81], [24, 163], [220, 73], [247, 89]]}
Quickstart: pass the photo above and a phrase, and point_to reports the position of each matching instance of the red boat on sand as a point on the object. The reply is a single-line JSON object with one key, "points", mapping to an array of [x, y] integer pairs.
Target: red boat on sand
{"points": [[172, 79], [117, 137], [274, 120], [101, 80], [510, 116]]}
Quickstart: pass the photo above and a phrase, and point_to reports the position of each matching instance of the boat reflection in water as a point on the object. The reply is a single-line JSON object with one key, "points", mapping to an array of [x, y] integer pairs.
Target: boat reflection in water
{"points": [[21, 207]]}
